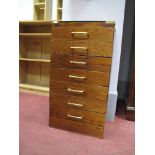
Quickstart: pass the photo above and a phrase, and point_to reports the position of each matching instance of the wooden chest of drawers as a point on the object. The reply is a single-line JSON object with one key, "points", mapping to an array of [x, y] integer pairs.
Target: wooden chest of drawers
{"points": [[79, 76]]}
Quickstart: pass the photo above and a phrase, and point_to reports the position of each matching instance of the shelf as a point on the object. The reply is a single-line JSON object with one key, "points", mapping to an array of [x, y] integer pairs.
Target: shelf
{"points": [[34, 87], [35, 22], [36, 92], [34, 60], [59, 9], [42, 9], [35, 34]]}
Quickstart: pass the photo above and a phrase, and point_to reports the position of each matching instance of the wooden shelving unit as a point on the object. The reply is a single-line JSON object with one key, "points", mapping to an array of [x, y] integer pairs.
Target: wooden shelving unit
{"points": [[59, 9], [34, 54], [42, 9]]}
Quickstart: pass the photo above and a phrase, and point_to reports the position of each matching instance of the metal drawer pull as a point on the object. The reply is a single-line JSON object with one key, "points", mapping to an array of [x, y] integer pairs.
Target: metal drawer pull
{"points": [[80, 35], [78, 62], [77, 77], [75, 104], [79, 47], [79, 32], [75, 91], [76, 117]]}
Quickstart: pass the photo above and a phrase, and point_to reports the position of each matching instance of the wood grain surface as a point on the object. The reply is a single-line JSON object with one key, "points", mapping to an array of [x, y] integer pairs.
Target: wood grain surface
{"points": [[81, 57], [83, 90], [83, 128], [90, 48], [80, 76], [83, 116], [93, 33], [84, 24], [93, 63], [93, 105]]}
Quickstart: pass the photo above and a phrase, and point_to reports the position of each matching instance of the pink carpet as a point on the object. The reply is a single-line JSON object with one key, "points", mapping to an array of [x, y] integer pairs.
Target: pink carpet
{"points": [[36, 138]]}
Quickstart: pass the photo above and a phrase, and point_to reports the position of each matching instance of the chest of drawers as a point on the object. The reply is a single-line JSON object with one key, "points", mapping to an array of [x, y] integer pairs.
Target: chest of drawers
{"points": [[79, 76]]}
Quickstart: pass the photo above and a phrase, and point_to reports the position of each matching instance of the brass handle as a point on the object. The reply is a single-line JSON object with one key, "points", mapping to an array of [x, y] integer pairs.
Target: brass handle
{"points": [[75, 104], [85, 48], [81, 50], [76, 117], [77, 77], [75, 91], [78, 62], [79, 33]]}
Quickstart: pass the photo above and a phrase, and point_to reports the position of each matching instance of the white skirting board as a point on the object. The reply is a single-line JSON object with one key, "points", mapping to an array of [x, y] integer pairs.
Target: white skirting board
{"points": [[111, 106]]}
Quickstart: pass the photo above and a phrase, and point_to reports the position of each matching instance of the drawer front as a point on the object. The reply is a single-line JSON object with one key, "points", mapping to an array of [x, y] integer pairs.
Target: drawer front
{"points": [[80, 76], [81, 62], [70, 113], [84, 33], [88, 129], [80, 103], [90, 48], [81, 90]]}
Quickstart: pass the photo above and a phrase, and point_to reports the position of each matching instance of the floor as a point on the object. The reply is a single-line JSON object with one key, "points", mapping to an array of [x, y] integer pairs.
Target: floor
{"points": [[37, 138]]}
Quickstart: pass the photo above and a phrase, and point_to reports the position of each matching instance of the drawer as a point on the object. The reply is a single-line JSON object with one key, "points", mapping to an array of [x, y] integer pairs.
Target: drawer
{"points": [[81, 103], [70, 113], [90, 48], [80, 76], [105, 34], [88, 129], [81, 90], [81, 62]]}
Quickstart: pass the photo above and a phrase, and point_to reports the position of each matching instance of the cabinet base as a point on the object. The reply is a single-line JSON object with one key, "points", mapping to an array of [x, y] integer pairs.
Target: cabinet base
{"points": [[87, 129]]}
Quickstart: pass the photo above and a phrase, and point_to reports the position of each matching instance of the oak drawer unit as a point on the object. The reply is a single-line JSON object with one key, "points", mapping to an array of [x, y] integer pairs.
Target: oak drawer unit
{"points": [[79, 75]]}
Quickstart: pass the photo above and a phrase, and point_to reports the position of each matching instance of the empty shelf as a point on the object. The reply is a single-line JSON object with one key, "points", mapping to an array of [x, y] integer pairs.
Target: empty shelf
{"points": [[34, 87], [34, 60], [35, 34]]}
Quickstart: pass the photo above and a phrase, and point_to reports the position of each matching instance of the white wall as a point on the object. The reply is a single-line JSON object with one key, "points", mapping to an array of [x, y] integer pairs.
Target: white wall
{"points": [[25, 9], [54, 10], [101, 10]]}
